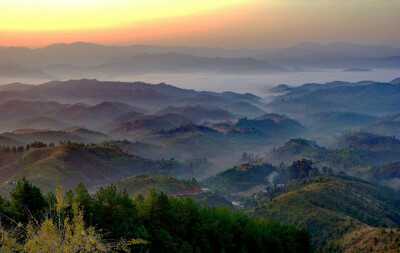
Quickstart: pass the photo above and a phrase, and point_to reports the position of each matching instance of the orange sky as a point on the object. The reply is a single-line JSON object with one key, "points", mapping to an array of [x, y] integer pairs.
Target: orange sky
{"points": [[225, 23]]}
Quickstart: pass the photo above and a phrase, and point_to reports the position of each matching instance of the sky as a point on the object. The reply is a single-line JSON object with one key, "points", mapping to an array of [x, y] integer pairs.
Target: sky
{"points": [[210, 23]]}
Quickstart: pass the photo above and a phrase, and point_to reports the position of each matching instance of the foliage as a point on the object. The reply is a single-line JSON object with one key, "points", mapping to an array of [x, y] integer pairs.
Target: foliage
{"points": [[59, 235], [169, 225], [372, 240], [240, 178], [330, 206], [69, 164], [301, 169], [27, 199], [361, 154], [143, 184]]}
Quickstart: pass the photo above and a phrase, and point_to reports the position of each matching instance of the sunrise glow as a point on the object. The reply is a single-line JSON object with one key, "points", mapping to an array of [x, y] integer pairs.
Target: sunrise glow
{"points": [[226, 23]]}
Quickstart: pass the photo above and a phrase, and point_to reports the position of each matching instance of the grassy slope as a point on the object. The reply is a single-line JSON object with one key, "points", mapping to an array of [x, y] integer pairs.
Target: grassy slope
{"points": [[69, 165], [372, 240], [331, 206]]}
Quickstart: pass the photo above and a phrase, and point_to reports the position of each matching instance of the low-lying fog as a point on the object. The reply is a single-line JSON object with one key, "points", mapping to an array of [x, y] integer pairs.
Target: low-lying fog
{"points": [[258, 84]]}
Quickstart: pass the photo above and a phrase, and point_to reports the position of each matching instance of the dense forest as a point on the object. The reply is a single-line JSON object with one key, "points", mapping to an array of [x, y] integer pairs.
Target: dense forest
{"points": [[111, 221]]}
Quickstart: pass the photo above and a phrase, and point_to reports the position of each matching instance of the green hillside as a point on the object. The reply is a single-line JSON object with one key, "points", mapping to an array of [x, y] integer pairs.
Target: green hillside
{"points": [[75, 134], [241, 178], [372, 240], [273, 125], [191, 139], [70, 164], [157, 223], [389, 125], [143, 184], [331, 206], [369, 141], [334, 121], [358, 152], [296, 149]]}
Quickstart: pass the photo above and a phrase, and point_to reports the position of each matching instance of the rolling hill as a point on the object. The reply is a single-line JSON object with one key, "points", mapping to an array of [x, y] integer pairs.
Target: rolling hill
{"points": [[306, 54], [360, 154], [143, 184], [372, 98], [133, 123], [117, 107], [74, 134], [184, 63], [368, 141], [17, 109], [275, 125], [71, 164], [7, 141], [331, 207], [388, 174], [90, 116], [389, 125], [198, 113], [371, 239], [296, 149], [19, 71], [327, 123], [189, 138], [241, 178], [41, 122], [134, 93], [147, 123]]}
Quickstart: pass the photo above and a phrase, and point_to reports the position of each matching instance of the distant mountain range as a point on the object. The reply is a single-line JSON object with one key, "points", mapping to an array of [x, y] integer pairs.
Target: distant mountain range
{"points": [[301, 158], [87, 60], [108, 106], [366, 97]]}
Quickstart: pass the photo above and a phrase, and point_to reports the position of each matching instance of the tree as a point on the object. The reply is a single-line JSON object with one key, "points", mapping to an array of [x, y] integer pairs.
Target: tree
{"points": [[327, 170], [83, 199], [301, 169], [114, 211], [27, 199], [67, 235]]}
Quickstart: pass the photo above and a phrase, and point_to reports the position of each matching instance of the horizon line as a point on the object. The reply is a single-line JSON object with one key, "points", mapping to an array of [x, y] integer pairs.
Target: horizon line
{"points": [[207, 47]]}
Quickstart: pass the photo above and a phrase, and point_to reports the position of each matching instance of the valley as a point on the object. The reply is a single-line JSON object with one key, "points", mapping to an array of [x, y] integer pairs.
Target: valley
{"points": [[300, 159], [187, 126]]}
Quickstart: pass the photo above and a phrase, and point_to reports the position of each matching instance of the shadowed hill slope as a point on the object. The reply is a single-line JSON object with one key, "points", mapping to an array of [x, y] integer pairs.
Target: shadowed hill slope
{"points": [[332, 206], [69, 165]]}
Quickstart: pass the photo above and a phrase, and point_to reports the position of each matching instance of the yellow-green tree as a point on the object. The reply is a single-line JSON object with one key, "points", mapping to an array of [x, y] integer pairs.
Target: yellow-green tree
{"points": [[59, 235]]}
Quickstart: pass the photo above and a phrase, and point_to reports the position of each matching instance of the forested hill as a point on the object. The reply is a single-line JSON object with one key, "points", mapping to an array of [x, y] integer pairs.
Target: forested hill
{"points": [[157, 223], [331, 206], [69, 164]]}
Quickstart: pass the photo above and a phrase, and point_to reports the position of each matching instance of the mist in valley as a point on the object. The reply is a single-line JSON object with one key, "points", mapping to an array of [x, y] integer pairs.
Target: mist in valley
{"points": [[200, 126], [259, 84], [225, 131]]}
